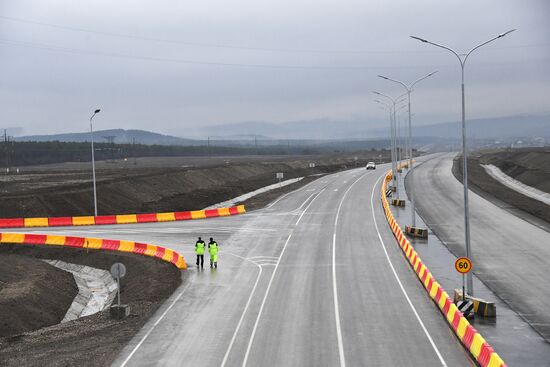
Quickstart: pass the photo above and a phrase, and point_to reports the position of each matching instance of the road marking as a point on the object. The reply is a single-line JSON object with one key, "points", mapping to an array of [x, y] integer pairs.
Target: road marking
{"points": [[153, 327], [334, 285], [307, 207], [443, 363], [226, 356], [251, 340]]}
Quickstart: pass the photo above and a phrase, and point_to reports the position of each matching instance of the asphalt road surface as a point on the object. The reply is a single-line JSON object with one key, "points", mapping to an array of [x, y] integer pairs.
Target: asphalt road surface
{"points": [[315, 279], [510, 255]]}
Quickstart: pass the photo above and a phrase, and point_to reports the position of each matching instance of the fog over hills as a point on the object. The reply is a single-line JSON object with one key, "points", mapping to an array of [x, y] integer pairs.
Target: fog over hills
{"points": [[489, 128]]}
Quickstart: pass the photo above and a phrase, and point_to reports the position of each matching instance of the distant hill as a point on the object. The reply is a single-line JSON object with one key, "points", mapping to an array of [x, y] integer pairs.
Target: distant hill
{"points": [[488, 128], [500, 127], [121, 137]]}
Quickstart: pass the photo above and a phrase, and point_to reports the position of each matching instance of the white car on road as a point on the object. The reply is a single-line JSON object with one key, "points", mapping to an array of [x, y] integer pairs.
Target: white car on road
{"points": [[371, 165]]}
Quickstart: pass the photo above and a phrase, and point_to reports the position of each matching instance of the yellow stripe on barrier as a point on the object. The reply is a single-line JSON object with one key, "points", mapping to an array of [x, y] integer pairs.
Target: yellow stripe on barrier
{"points": [[168, 254], [223, 212], [13, 238], [462, 325], [495, 361], [36, 222], [451, 313], [93, 243], [475, 348], [126, 219], [198, 214], [151, 250], [126, 246], [83, 221], [166, 217], [241, 209], [55, 240]]}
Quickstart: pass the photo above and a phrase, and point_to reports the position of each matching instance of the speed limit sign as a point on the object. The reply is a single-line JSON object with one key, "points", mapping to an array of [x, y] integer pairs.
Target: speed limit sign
{"points": [[463, 265]]}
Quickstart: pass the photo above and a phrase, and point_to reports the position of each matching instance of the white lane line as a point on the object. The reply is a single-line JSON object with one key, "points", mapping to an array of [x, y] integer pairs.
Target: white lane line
{"points": [[307, 207], [443, 363], [289, 193], [153, 327], [228, 351], [251, 340], [334, 284]]}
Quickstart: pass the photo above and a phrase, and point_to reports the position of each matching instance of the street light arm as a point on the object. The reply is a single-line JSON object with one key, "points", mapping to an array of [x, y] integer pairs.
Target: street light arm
{"points": [[384, 95], [393, 80], [441, 46], [486, 42], [421, 79]]}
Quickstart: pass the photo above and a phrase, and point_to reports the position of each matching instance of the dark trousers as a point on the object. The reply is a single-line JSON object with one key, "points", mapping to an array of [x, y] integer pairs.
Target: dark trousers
{"points": [[201, 258]]}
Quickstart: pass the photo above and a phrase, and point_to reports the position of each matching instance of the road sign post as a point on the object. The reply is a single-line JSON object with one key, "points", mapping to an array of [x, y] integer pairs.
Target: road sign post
{"points": [[463, 265], [279, 176], [119, 311]]}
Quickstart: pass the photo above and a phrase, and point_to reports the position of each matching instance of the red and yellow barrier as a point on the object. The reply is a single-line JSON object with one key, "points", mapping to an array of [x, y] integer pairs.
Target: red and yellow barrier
{"points": [[467, 334], [162, 253], [120, 219]]}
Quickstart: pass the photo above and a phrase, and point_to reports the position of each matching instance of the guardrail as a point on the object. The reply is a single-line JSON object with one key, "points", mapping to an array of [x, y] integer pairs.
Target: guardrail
{"points": [[162, 253], [472, 340], [119, 219]]}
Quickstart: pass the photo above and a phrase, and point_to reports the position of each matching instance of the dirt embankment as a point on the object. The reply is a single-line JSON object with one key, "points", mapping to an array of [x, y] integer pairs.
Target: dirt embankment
{"points": [[33, 294], [530, 166], [90, 341], [148, 190]]}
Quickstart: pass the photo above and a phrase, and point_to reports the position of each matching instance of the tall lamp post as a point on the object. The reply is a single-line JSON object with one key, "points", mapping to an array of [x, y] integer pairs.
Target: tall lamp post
{"points": [[93, 159], [394, 101], [462, 59], [392, 142], [409, 89]]}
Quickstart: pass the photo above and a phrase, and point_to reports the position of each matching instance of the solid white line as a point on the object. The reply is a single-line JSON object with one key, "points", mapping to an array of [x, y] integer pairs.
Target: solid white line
{"points": [[251, 340], [152, 328], [443, 363], [307, 207], [226, 356], [334, 284]]}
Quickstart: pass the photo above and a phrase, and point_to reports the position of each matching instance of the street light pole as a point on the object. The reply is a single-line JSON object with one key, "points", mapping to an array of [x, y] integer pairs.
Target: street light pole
{"points": [[462, 60], [409, 89], [394, 140], [93, 159]]}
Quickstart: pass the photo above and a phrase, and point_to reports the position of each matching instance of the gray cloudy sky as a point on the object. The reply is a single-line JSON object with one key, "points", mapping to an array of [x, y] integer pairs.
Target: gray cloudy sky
{"points": [[174, 66]]}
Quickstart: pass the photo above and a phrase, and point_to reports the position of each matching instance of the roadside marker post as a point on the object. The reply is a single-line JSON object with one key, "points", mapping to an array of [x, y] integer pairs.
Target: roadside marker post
{"points": [[463, 265], [118, 270], [279, 176]]}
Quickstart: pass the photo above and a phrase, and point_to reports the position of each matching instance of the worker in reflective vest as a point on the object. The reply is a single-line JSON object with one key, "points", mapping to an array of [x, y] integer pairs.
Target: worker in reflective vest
{"points": [[199, 250], [213, 249]]}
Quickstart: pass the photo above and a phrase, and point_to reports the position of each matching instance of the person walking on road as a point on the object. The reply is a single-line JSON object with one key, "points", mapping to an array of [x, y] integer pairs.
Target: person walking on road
{"points": [[199, 250], [213, 249]]}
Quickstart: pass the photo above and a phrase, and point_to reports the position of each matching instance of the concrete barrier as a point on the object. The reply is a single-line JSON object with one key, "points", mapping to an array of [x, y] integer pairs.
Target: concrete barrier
{"points": [[398, 202], [162, 253], [416, 232], [481, 307], [119, 219], [470, 338]]}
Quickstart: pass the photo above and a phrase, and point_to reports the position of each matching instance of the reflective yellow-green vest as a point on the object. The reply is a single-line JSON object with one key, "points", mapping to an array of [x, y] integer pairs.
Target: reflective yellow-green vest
{"points": [[199, 247], [213, 248]]}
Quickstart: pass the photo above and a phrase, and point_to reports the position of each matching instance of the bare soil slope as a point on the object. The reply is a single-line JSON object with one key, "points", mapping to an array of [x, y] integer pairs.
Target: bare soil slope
{"points": [[531, 166], [33, 294], [90, 341], [151, 189]]}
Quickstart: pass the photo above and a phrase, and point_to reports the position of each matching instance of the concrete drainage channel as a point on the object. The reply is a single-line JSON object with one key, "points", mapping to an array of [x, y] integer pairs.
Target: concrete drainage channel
{"points": [[96, 289]]}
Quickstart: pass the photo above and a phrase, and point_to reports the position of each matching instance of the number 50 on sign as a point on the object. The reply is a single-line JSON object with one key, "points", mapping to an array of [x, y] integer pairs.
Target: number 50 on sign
{"points": [[463, 265]]}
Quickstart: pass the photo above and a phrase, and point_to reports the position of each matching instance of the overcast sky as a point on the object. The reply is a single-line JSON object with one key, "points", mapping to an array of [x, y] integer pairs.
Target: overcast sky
{"points": [[174, 66]]}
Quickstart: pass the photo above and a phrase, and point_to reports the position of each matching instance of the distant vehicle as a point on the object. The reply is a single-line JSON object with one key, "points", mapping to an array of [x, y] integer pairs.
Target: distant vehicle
{"points": [[371, 165]]}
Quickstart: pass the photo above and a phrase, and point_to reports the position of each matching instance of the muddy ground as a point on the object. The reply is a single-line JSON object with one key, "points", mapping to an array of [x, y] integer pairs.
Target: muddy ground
{"points": [[154, 185], [530, 166], [90, 341]]}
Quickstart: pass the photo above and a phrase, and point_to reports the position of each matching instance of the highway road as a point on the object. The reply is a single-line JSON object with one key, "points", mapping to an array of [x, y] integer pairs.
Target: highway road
{"points": [[510, 255], [315, 279]]}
